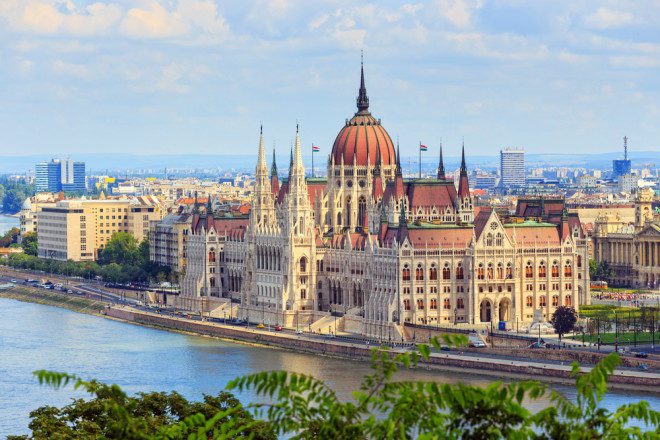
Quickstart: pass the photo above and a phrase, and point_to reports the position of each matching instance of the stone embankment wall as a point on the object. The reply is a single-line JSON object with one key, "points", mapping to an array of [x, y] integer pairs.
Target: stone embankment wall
{"points": [[349, 351]]}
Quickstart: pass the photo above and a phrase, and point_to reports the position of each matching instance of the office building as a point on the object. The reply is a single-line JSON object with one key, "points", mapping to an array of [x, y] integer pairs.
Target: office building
{"points": [[512, 167], [621, 167], [78, 229], [60, 175]]}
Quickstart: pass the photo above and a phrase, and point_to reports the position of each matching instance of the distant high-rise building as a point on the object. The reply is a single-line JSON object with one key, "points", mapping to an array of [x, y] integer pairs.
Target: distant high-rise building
{"points": [[621, 167], [512, 167], [60, 175]]}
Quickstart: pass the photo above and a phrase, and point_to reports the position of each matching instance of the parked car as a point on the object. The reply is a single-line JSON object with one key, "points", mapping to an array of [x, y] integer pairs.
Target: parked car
{"points": [[476, 344], [299, 332], [640, 354], [261, 326], [445, 348], [278, 328]]}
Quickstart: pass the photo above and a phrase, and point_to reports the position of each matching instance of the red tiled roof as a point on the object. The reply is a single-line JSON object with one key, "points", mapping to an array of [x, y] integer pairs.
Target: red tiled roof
{"points": [[362, 136], [427, 193], [530, 236]]}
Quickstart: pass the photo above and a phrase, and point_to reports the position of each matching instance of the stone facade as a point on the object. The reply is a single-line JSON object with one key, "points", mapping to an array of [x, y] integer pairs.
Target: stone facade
{"points": [[632, 249], [378, 250]]}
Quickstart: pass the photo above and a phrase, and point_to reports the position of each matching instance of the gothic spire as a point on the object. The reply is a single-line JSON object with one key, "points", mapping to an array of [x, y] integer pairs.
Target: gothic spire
{"points": [[209, 206], [298, 150], [362, 99], [273, 167], [441, 165], [378, 163], [261, 160], [463, 167], [196, 205]]}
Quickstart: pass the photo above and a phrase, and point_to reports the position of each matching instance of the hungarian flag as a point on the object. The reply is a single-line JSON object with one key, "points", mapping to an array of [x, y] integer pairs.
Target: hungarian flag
{"points": [[315, 148], [423, 147]]}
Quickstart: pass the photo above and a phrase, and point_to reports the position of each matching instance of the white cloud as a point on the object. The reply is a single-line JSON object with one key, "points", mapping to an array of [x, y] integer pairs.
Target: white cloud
{"points": [[605, 18], [68, 69], [459, 12], [48, 17]]}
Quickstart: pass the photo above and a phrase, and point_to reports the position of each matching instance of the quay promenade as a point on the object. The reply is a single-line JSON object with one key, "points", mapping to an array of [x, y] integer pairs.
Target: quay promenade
{"points": [[465, 360]]}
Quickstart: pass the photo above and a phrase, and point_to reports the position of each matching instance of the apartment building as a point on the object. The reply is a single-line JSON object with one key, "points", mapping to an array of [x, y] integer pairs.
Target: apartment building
{"points": [[78, 229], [168, 240]]}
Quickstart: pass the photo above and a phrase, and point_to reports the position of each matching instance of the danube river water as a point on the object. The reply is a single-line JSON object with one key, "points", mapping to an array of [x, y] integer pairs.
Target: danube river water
{"points": [[34, 336]]}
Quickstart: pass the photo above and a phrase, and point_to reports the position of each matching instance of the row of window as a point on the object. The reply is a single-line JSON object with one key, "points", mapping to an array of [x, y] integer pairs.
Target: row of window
{"points": [[433, 304]]}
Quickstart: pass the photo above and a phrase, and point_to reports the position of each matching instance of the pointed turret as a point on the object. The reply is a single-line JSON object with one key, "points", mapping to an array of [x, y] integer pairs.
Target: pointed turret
{"points": [[441, 165], [463, 184], [402, 232], [398, 178], [362, 99], [261, 155], [274, 179], [377, 187], [209, 206]]}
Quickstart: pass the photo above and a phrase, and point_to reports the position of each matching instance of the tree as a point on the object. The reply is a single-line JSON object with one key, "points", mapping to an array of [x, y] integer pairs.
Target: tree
{"points": [[302, 407], [600, 270], [12, 202], [123, 249], [563, 320], [9, 237], [29, 243], [112, 414]]}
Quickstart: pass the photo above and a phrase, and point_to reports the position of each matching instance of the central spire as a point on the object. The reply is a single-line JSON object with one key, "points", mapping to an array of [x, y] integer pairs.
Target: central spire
{"points": [[362, 99]]}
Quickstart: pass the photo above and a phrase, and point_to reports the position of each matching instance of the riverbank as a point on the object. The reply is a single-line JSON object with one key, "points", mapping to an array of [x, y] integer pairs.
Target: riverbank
{"points": [[78, 304], [499, 368], [467, 363]]}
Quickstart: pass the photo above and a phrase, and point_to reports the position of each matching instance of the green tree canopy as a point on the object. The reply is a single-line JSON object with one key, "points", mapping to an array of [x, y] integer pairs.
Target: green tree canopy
{"points": [[123, 249], [563, 320], [29, 243]]}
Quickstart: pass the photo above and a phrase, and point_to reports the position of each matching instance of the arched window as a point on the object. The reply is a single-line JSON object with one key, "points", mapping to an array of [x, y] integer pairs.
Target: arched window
{"points": [[459, 272], [480, 271], [509, 271], [529, 301], [303, 264], [567, 301], [419, 273], [406, 304], [420, 304], [542, 270], [303, 293], [529, 271], [433, 273], [446, 304], [212, 255], [555, 269], [339, 219], [362, 211], [460, 304], [568, 270], [212, 281], [490, 271], [579, 261], [500, 271], [489, 239], [498, 239], [555, 300], [434, 304], [348, 211], [405, 273], [446, 272], [542, 301]]}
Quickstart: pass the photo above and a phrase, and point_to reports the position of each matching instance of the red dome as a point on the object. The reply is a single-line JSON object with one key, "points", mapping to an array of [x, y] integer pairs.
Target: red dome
{"points": [[363, 137]]}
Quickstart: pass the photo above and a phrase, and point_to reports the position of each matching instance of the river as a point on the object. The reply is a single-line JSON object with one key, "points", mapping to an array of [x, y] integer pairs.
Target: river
{"points": [[34, 336], [7, 222]]}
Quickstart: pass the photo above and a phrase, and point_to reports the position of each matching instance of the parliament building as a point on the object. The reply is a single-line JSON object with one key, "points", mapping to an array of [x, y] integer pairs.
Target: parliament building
{"points": [[367, 251]]}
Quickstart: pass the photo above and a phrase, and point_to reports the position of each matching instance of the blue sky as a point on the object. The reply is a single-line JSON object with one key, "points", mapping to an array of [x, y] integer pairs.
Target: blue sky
{"points": [[176, 76]]}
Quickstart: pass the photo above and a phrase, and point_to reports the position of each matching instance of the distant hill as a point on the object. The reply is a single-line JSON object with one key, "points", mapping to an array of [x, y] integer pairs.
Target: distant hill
{"points": [[115, 163]]}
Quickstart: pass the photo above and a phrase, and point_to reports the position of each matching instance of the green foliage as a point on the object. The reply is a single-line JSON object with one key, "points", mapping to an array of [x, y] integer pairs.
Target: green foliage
{"points": [[10, 237], [123, 261], [111, 414], [14, 193], [29, 243], [563, 320], [600, 270], [301, 407]]}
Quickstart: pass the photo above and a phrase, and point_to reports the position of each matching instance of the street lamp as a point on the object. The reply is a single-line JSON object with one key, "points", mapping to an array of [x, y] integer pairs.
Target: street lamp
{"points": [[455, 314]]}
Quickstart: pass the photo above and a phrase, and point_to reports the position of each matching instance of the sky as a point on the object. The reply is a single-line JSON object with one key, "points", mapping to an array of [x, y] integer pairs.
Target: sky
{"points": [[200, 76]]}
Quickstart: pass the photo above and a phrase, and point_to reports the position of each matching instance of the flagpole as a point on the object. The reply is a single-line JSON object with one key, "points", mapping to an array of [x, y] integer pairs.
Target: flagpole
{"points": [[312, 159], [420, 159]]}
